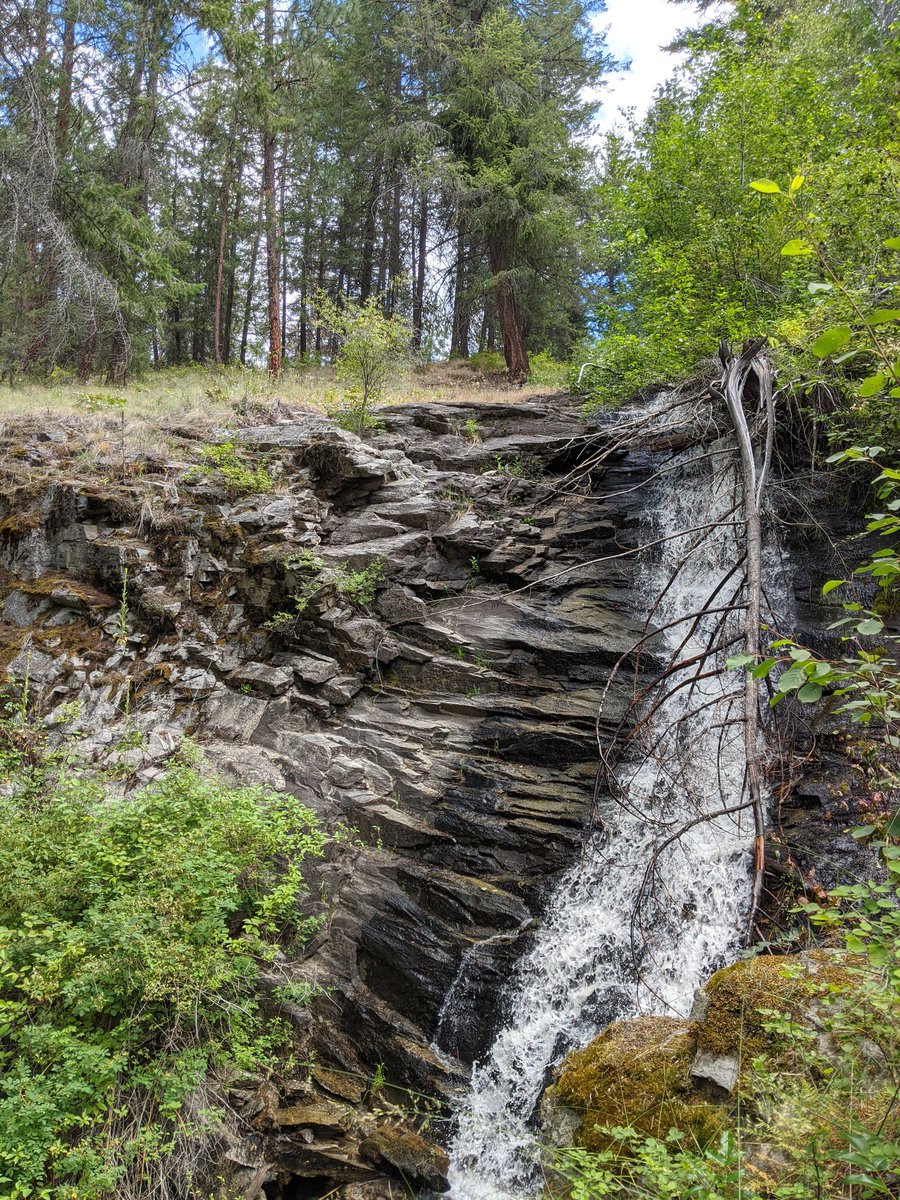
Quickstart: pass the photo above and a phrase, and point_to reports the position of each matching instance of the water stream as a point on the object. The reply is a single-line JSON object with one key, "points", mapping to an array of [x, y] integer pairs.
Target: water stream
{"points": [[587, 966]]}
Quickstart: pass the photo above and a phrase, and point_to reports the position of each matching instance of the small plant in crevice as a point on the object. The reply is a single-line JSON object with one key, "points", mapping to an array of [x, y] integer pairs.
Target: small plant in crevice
{"points": [[106, 403], [359, 587], [122, 625], [233, 468]]}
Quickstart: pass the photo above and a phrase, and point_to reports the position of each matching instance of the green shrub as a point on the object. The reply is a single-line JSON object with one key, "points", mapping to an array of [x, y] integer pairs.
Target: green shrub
{"points": [[545, 370], [488, 362], [372, 350], [131, 937]]}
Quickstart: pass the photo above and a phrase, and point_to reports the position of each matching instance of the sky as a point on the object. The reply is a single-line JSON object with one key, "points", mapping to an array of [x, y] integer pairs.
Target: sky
{"points": [[637, 30]]}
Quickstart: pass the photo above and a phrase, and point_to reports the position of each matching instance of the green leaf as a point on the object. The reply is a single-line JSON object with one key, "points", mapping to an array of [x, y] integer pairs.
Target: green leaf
{"points": [[794, 678], [832, 339], [810, 693], [869, 627], [796, 247], [889, 243], [764, 668], [883, 316], [797, 183], [739, 660], [831, 585], [864, 831], [872, 386], [819, 286], [893, 826], [769, 187]]}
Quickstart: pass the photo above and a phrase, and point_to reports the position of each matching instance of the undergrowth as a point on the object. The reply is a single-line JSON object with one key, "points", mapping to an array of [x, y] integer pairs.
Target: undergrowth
{"points": [[132, 935]]}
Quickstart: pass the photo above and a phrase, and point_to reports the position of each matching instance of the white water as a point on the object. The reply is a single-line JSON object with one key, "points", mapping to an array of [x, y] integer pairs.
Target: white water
{"points": [[581, 972]]}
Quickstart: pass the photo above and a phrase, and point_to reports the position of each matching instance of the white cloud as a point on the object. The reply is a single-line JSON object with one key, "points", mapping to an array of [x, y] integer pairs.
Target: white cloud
{"points": [[637, 31]]}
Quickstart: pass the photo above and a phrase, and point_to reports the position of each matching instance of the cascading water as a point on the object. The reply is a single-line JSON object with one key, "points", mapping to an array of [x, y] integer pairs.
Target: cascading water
{"points": [[590, 963]]}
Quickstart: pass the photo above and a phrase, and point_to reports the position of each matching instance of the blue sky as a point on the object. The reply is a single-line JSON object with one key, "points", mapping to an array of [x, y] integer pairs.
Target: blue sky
{"points": [[637, 30]]}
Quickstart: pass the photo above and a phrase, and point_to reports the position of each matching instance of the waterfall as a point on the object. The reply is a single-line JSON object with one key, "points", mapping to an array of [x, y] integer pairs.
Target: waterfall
{"points": [[588, 964]]}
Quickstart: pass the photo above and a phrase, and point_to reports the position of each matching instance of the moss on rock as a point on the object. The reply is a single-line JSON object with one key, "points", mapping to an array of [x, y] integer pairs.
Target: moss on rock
{"points": [[636, 1073], [738, 1002]]}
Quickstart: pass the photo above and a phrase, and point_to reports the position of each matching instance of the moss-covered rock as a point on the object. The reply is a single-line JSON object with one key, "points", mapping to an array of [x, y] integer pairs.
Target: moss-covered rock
{"points": [[635, 1073], [654, 1073], [738, 1002]]}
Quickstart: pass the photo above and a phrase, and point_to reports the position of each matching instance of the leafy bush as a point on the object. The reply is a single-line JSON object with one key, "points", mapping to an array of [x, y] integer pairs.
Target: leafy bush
{"points": [[545, 370], [131, 936], [372, 350], [488, 362]]}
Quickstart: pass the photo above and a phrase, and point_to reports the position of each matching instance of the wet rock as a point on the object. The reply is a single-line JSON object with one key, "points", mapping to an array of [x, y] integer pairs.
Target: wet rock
{"points": [[418, 1160], [636, 1073]]}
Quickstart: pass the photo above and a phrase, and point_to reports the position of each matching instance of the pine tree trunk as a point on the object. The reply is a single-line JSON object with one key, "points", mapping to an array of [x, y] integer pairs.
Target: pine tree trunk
{"points": [[271, 215], [507, 310], [64, 106], [220, 262], [251, 281], [368, 247], [421, 257], [395, 261], [462, 307]]}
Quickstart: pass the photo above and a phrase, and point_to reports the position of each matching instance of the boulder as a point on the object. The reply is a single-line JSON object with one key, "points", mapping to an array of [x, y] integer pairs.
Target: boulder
{"points": [[418, 1160], [636, 1073]]}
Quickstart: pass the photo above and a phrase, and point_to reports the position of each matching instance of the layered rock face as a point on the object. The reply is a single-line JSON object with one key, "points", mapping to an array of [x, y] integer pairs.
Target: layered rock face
{"points": [[465, 585], [434, 694]]}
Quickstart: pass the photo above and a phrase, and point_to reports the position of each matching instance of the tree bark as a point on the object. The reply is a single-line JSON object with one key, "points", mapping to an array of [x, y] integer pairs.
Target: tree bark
{"points": [[220, 261], [251, 280], [395, 261], [64, 105], [418, 309], [368, 247], [462, 309], [271, 211], [507, 310]]}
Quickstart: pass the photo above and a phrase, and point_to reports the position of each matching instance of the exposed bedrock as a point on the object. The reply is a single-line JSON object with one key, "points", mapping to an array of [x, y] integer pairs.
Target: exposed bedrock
{"points": [[448, 721]]}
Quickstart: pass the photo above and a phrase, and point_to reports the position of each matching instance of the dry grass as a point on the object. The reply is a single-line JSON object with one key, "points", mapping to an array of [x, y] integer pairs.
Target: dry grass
{"points": [[226, 395], [169, 415]]}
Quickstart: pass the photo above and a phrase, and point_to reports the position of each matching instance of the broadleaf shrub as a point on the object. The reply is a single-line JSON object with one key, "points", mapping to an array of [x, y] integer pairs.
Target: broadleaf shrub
{"points": [[132, 931]]}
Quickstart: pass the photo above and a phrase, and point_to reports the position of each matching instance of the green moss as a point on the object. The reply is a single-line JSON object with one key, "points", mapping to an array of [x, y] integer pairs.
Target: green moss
{"points": [[637, 1073], [742, 997]]}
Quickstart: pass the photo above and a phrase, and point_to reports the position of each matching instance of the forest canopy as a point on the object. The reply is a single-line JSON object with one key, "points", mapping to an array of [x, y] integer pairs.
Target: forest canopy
{"points": [[180, 182]]}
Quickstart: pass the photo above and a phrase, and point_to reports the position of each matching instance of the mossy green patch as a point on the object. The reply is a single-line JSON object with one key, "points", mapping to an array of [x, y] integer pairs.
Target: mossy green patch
{"points": [[637, 1073], [741, 999]]}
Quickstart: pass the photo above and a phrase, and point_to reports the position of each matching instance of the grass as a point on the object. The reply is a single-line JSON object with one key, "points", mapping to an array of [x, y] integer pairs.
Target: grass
{"points": [[224, 394], [169, 415]]}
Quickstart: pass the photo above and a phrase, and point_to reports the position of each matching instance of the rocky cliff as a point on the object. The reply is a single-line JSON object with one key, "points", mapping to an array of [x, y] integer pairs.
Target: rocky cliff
{"points": [[409, 633]]}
